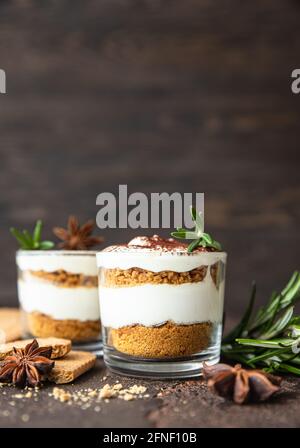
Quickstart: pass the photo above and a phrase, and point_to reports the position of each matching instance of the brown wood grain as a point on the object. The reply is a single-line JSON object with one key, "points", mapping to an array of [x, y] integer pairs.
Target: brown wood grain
{"points": [[163, 96]]}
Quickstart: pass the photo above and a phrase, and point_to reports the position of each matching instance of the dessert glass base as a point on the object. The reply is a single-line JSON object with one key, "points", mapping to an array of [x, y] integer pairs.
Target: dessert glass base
{"points": [[172, 367]]}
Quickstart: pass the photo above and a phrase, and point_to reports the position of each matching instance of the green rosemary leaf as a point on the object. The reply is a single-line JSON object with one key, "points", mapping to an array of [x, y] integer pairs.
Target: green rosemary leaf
{"points": [[292, 294], [193, 245], [31, 242], [264, 328], [272, 334], [295, 359], [191, 235], [287, 368], [236, 348], [268, 354], [242, 326], [295, 321], [181, 229], [19, 237], [37, 231], [206, 237], [200, 238], [265, 313], [290, 283], [275, 343], [180, 235], [279, 325], [216, 245], [28, 238], [288, 296], [45, 245], [290, 357], [184, 234]]}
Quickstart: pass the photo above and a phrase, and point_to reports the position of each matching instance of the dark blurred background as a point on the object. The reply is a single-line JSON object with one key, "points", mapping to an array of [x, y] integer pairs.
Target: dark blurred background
{"points": [[162, 96]]}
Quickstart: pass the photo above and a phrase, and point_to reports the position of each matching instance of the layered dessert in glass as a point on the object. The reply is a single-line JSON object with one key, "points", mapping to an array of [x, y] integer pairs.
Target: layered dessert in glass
{"points": [[161, 307], [58, 294]]}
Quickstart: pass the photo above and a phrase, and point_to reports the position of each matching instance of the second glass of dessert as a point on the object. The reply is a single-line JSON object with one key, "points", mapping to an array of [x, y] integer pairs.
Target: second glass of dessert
{"points": [[58, 289], [161, 307], [58, 294]]}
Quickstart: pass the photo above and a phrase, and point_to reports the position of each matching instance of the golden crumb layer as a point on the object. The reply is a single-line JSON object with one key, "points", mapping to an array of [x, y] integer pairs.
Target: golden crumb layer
{"points": [[43, 326], [166, 341], [66, 279], [138, 276]]}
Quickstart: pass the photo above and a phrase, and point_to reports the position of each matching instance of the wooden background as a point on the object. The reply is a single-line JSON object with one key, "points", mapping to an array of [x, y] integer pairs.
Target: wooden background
{"points": [[162, 96]]}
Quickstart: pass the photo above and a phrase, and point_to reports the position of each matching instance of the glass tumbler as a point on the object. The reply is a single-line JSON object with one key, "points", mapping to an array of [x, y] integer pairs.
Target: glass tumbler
{"points": [[161, 318], [58, 296]]}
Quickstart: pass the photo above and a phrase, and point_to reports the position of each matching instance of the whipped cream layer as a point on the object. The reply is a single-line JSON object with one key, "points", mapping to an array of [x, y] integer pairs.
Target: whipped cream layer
{"points": [[152, 305], [156, 254], [58, 302], [75, 262]]}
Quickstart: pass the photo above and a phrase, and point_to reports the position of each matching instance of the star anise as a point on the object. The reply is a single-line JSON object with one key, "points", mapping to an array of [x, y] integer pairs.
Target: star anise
{"points": [[239, 384], [77, 237], [26, 366]]}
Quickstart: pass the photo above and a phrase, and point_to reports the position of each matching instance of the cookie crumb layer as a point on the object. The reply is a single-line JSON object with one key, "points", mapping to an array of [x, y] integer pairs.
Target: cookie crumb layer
{"points": [[169, 340], [64, 279], [43, 326], [137, 276]]}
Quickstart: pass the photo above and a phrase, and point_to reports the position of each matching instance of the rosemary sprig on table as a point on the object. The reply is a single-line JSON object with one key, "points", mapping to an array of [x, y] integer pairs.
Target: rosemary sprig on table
{"points": [[199, 237], [270, 338], [32, 241]]}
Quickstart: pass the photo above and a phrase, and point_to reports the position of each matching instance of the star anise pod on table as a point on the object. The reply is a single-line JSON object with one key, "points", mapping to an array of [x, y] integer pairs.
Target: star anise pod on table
{"points": [[240, 384], [26, 366], [77, 237]]}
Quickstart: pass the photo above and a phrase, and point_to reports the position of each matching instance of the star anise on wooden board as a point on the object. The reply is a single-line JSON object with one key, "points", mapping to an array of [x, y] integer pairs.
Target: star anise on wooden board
{"points": [[77, 237], [26, 366], [239, 384]]}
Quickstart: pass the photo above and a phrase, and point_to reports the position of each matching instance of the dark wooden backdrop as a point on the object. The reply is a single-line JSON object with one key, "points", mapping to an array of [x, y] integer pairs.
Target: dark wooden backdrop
{"points": [[163, 96]]}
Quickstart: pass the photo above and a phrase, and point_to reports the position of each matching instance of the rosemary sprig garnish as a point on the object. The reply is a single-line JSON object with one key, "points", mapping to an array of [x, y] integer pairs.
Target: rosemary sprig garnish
{"points": [[269, 338], [32, 241], [199, 237]]}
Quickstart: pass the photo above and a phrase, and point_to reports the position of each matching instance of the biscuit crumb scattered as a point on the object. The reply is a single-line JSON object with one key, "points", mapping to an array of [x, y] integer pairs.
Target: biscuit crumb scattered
{"points": [[25, 418], [107, 391], [61, 394], [128, 397], [84, 398], [18, 396]]}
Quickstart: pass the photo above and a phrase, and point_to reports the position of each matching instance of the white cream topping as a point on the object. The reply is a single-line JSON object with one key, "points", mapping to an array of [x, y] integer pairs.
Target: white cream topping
{"points": [[75, 262], [152, 305], [156, 261], [57, 302]]}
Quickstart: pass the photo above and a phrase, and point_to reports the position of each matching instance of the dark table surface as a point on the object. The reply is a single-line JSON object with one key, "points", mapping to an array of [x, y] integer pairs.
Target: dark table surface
{"points": [[181, 404]]}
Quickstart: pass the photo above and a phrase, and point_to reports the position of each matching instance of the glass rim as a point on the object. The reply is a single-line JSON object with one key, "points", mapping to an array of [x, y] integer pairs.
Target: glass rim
{"points": [[56, 252]]}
